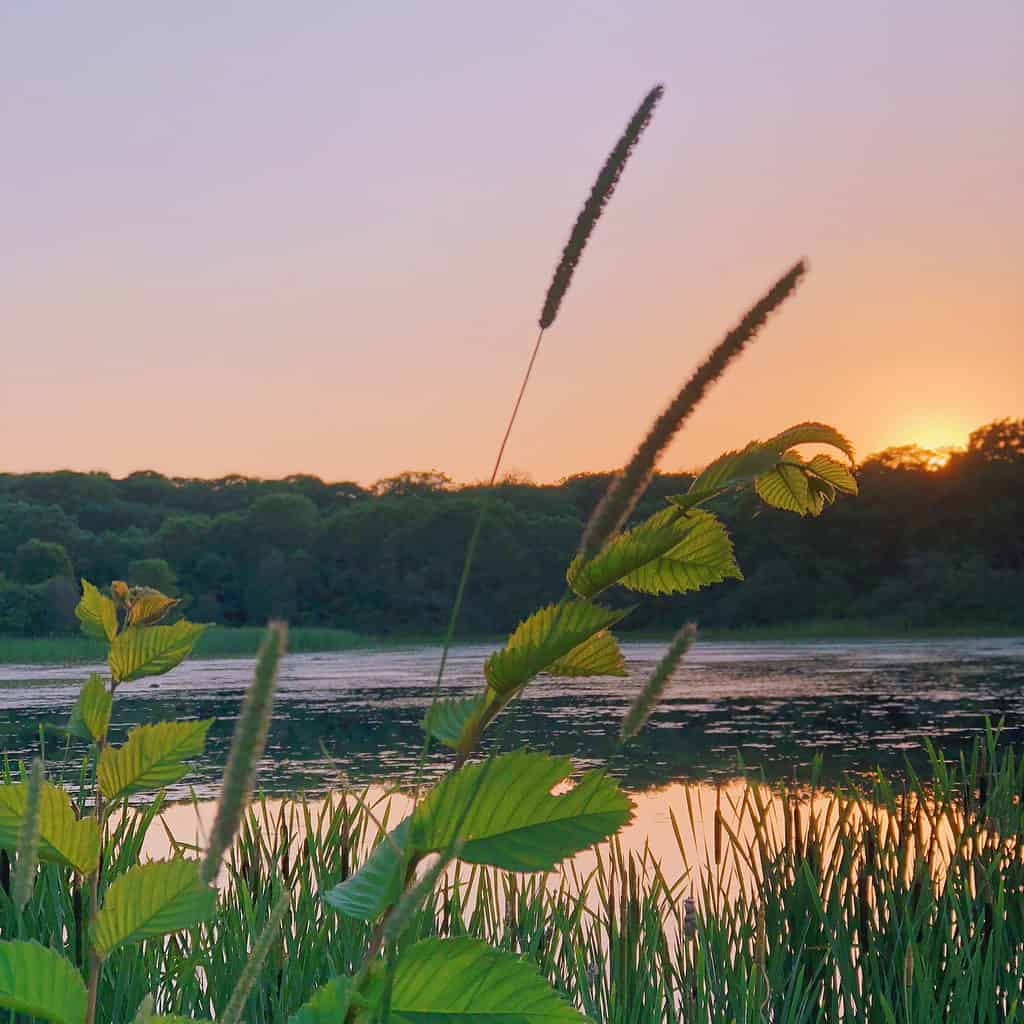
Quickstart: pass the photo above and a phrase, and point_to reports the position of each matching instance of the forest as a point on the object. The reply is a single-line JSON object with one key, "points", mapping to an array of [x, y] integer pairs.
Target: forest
{"points": [[932, 541]]}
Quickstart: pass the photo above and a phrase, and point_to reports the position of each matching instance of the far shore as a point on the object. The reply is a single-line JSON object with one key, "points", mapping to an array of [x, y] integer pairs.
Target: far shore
{"points": [[243, 642]]}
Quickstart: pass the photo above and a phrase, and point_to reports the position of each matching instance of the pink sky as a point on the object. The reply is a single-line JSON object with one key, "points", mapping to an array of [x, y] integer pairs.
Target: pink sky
{"points": [[272, 239]]}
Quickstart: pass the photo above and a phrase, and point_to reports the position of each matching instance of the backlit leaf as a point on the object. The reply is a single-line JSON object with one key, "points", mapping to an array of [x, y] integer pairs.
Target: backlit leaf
{"points": [[96, 613], [833, 472], [786, 487], [447, 719], [539, 641], [507, 818], [147, 606], [810, 433], [703, 556], [728, 470], [464, 979], [90, 716], [152, 650], [152, 899], [152, 757], [627, 552], [62, 837], [598, 656], [513, 821], [378, 883], [38, 981]]}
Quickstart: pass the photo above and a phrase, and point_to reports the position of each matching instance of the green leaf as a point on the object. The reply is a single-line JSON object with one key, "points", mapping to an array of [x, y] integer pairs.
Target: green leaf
{"points": [[90, 716], [152, 899], [378, 883], [446, 719], [449, 980], [543, 638], [96, 613], [598, 656], [810, 433], [62, 837], [704, 556], [152, 757], [513, 821], [38, 981], [147, 606], [326, 1004], [833, 472], [627, 552], [152, 650], [786, 487], [728, 470]]}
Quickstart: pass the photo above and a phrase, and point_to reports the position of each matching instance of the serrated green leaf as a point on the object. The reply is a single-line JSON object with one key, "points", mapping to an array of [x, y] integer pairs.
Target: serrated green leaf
{"points": [[378, 883], [152, 757], [834, 473], [598, 656], [326, 1005], [627, 552], [786, 487], [508, 818], [539, 641], [513, 821], [728, 470], [90, 716], [152, 899], [147, 606], [446, 719], [63, 839], [451, 980], [810, 433], [96, 613], [152, 650], [38, 981], [819, 494], [703, 556]]}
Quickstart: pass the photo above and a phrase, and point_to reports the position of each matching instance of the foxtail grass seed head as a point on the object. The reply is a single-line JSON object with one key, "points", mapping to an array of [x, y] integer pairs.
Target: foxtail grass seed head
{"points": [[257, 957], [28, 838], [588, 217], [650, 696], [628, 486], [247, 745]]}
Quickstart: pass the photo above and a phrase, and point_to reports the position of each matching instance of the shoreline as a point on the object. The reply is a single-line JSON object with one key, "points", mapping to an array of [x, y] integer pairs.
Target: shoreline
{"points": [[243, 642]]}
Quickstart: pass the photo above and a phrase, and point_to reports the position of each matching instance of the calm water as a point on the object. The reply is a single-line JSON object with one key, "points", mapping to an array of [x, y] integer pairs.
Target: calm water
{"points": [[353, 717]]}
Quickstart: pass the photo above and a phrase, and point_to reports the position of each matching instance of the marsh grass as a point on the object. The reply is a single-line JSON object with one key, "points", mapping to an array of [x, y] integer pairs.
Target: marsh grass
{"points": [[222, 642], [888, 902]]}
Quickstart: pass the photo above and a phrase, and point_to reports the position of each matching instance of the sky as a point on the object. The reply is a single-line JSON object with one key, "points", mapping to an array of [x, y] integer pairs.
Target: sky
{"points": [[270, 238]]}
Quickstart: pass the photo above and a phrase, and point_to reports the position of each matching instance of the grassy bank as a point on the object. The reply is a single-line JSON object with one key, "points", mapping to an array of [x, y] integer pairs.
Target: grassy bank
{"points": [[242, 642], [221, 642], [898, 904]]}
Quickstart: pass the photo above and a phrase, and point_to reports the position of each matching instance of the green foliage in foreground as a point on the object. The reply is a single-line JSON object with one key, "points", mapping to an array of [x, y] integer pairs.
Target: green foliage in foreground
{"points": [[847, 910], [500, 813]]}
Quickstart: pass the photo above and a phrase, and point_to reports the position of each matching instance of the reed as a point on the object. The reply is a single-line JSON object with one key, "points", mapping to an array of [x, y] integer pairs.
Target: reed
{"points": [[891, 896]]}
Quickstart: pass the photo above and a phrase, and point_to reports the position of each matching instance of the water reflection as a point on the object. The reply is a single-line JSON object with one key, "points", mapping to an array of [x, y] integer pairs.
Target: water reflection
{"points": [[352, 718]]}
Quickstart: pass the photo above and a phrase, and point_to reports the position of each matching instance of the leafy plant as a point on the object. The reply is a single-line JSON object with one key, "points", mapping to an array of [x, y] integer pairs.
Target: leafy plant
{"points": [[500, 813]]}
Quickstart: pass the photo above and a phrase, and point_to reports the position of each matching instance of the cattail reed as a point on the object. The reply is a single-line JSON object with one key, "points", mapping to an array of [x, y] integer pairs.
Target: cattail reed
{"points": [[598, 199], [254, 964], [28, 838], [650, 696], [247, 744], [627, 487]]}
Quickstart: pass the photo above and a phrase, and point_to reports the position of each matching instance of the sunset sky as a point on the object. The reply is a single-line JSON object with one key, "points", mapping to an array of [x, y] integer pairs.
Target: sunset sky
{"points": [[274, 238]]}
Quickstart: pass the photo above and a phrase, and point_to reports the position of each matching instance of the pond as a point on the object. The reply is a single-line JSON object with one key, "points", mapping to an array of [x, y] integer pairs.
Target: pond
{"points": [[352, 718]]}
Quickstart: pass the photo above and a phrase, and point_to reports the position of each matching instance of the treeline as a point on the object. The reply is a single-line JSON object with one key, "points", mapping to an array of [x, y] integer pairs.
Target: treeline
{"points": [[923, 545]]}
